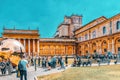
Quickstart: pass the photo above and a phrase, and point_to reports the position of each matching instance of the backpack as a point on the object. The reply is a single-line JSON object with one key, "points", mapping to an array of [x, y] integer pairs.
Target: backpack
{"points": [[20, 66], [3, 65]]}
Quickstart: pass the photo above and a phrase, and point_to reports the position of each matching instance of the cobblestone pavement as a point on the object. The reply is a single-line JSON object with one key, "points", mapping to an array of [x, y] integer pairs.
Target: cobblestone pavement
{"points": [[40, 71]]}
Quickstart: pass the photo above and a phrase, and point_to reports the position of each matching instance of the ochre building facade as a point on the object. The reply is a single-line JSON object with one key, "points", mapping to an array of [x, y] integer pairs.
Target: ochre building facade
{"points": [[101, 35], [40, 46]]}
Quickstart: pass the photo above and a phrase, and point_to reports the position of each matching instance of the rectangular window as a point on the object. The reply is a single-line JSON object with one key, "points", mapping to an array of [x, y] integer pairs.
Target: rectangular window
{"points": [[86, 37], [79, 39]]}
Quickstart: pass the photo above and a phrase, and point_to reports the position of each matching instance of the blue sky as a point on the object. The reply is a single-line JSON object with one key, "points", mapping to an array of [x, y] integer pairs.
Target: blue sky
{"points": [[48, 14]]}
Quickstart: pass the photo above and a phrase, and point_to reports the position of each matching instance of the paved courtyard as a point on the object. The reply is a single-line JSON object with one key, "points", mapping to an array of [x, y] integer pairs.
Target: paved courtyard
{"points": [[40, 71], [32, 73]]}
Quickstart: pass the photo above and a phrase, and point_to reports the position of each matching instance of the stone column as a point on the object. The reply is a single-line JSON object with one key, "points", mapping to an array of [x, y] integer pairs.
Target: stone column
{"points": [[33, 45], [83, 50], [88, 47], [49, 50], [55, 50], [97, 49], [29, 46], [100, 50], [97, 30], [108, 45], [113, 50], [89, 35], [24, 43], [19, 39], [73, 50], [66, 50], [38, 46]]}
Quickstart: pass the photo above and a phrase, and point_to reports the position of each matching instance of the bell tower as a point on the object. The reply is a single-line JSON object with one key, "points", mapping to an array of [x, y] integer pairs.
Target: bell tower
{"points": [[76, 21]]}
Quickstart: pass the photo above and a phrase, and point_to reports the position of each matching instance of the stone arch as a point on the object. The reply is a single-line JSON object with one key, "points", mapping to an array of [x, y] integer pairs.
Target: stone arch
{"points": [[104, 46], [57, 51], [86, 49], [70, 49], [117, 45], [79, 49], [52, 50], [94, 47], [62, 50], [41, 49], [46, 50]]}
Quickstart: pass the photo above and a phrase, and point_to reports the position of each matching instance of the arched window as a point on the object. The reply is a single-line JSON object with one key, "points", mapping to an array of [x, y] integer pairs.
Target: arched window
{"points": [[94, 34], [104, 30], [86, 51], [79, 39], [105, 50], [118, 25], [86, 37], [80, 47], [104, 43], [118, 40], [94, 51], [94, 44]]}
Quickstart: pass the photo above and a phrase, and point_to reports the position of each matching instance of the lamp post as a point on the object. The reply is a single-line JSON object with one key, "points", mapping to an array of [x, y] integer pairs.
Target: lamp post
{"points": [[35, 58], [32, 55], [21, 52], [32, 60]]}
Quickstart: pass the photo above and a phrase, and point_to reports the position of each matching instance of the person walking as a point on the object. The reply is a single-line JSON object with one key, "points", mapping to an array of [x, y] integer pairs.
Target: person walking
{"points": [[44, 62], [22, 66], [9, 66], [59, 60], [35, 60], [61, 64], [54, 61], [39, 59], [66, 60], [3, 69]]}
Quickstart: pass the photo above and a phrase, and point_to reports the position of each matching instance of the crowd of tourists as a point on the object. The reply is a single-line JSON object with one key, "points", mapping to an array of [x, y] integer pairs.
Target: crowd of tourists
{"points": [[45, 62], [86, 60], [48, 61], [6, 67]]}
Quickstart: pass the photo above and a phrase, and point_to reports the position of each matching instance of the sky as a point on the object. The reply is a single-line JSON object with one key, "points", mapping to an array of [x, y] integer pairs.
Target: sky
{"points": [[48, 14]]}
